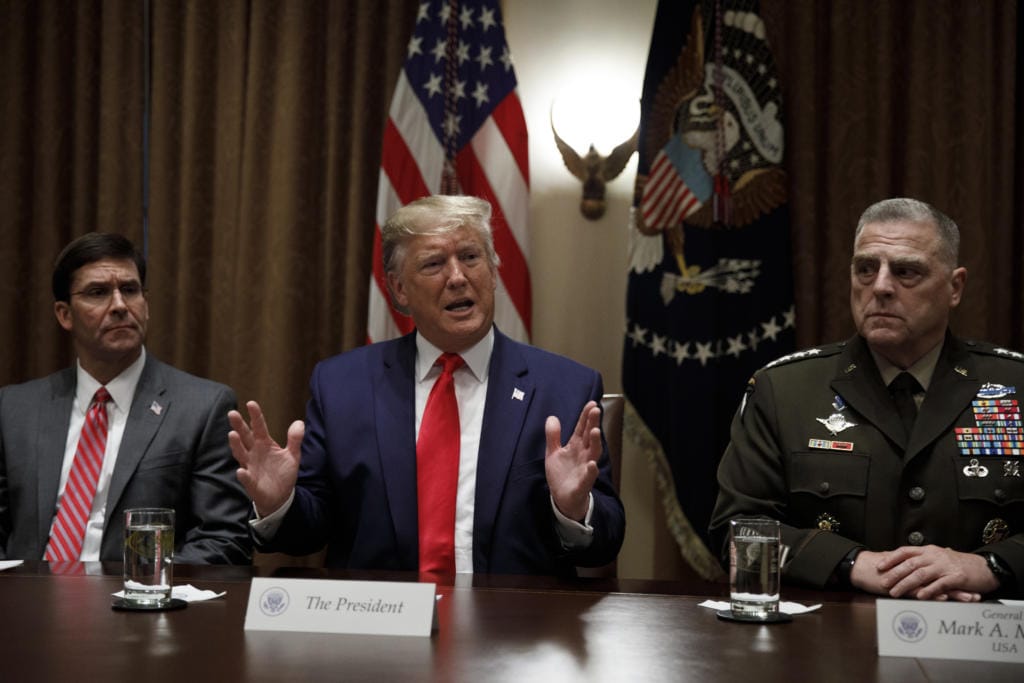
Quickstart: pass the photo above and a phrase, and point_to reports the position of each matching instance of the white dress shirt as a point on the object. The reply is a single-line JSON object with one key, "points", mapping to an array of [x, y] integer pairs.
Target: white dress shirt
{"points": [[122, 391], [471, 393]]}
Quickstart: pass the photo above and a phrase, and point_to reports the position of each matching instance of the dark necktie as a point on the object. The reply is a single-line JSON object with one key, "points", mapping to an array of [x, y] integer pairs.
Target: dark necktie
{"points": [[903, 389], [437, 471]]}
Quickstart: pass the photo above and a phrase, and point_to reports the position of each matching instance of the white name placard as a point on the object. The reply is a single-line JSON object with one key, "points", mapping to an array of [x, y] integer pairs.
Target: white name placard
{"points": [[951, 630], [323, 606]]}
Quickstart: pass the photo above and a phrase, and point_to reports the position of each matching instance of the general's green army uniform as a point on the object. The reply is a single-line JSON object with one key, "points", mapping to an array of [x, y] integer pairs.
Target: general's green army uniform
{"points": [[818, 444]]}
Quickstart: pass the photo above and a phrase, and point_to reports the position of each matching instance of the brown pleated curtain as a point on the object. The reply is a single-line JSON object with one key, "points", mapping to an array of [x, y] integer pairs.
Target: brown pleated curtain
{"points": [[910, 98], [265, 147], [266, 127]]}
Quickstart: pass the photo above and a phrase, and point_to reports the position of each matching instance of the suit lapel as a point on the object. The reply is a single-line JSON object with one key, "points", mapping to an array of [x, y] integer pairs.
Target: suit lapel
{"points": [[860, 384], [394, 413], [144, 419], [51, 443], [509, 395], [954, 384]]}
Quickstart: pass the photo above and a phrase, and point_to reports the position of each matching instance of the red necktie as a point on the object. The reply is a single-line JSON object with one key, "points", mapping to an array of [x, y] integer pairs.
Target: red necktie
{"points": [[437, 468], [68, 531]]}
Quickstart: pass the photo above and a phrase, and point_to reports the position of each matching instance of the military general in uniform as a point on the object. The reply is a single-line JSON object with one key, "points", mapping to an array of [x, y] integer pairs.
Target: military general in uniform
{"points": [[892, 460]]}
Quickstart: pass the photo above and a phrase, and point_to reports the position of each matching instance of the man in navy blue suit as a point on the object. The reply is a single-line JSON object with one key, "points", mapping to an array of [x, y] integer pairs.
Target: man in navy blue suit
{"points": [[534, 492]]}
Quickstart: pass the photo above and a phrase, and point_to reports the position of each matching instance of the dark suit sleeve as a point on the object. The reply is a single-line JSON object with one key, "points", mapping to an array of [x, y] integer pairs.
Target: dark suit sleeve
{"points": [[608, 519], [218, 530], [305, 527]]}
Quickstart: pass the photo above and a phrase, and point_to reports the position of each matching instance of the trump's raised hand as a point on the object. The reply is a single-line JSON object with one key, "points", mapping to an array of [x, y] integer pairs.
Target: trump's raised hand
{"points": [[266, 470], [572, 468]]}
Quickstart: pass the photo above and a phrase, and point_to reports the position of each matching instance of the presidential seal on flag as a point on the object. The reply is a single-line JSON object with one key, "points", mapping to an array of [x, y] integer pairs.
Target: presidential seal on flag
{"points": [[715, 135], [715, 125], [710, 297]]}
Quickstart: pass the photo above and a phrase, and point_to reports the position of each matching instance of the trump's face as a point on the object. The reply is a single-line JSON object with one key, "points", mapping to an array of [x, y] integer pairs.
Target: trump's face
{"points": [[902, 289], [447, 283]]}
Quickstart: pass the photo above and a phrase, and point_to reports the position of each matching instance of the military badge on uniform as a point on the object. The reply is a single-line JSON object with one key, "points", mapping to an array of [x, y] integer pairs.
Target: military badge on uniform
{"points": [[829, 445], [837, 422], [995, 530], [993, 390], [974, 469], [1011, 468], [749, 390], [999, 430], [827, 522]]}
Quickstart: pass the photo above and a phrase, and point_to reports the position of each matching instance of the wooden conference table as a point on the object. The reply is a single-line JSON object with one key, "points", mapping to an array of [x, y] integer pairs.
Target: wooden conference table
{"points": [[61, 628]]}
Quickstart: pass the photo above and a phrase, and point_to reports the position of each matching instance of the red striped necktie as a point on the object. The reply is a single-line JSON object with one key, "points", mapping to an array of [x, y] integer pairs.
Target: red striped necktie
{"points": [[68, 530], [437, 471]]}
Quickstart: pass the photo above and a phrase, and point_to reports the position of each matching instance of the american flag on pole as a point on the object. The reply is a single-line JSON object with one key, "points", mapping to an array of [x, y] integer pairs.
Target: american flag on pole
{"points": [[456, 127]]}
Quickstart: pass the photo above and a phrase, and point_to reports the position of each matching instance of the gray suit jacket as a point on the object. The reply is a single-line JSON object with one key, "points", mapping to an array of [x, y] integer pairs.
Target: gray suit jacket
{"points": [[175, 455]]}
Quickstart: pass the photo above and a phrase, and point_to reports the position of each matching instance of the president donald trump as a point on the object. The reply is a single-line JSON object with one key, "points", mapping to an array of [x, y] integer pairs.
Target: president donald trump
{"points": [[451, 449]]}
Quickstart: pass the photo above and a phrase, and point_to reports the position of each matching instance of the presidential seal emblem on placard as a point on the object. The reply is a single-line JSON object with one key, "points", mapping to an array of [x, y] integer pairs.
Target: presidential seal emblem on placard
{"points": [[909, 626], [274, 601]]}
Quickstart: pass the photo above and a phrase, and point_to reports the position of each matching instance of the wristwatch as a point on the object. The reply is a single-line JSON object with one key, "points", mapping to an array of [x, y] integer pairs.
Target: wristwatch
{"points": [[999, 569], [846, 566]]}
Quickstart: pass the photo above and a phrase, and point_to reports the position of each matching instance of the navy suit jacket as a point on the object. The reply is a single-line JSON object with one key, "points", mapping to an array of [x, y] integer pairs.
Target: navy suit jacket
{"points": [[174, 456], [356, 489]]}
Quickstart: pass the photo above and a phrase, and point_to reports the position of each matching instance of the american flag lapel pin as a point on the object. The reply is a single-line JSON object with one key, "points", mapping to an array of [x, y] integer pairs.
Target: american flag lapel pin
{"points": [[518, 394], [156, 408]]}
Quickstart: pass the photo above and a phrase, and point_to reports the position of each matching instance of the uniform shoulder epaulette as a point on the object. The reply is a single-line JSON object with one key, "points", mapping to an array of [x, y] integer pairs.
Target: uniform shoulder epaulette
{"points": [[816, 352], [990, 349]]}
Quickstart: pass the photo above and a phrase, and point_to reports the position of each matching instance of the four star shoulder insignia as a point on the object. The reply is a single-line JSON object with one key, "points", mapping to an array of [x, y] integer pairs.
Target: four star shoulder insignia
{"points": [[807, 353], [1007, 353]]}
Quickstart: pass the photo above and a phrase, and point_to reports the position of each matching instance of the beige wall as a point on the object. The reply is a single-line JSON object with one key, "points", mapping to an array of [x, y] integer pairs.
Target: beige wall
{"points": [[596, 50]]}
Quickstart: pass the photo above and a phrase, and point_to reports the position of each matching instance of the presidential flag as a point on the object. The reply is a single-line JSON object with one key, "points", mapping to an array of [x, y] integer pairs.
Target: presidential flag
{"points": [[710, 296], [456, 127]]}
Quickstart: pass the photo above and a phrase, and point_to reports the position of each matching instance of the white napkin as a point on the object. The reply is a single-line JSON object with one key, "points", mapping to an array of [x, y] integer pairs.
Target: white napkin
{"points": [[784, 607], [7, 564], [187, 592]]}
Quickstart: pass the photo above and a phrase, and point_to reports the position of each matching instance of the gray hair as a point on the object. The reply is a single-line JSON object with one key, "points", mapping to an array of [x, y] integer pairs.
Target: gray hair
{"points": [[915, 211], [436, 215]]}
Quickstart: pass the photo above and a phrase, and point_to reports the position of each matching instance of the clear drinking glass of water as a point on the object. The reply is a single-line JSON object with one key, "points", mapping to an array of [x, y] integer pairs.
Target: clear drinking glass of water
{"points": [[148, 556], [754, 577]]}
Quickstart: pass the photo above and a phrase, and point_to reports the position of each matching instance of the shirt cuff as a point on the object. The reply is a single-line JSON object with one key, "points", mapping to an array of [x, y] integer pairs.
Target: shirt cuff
{"points": [[265, 528], [574, 536]]}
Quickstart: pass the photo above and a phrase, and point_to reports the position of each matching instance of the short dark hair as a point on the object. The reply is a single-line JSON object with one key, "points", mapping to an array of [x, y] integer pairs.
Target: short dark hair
{"points": [[89, 248], [915, 211]]}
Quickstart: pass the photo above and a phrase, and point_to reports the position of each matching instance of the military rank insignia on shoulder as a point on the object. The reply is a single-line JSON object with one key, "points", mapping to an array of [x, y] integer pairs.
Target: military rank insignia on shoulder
{"points": [[817, 352], [993, 350]]}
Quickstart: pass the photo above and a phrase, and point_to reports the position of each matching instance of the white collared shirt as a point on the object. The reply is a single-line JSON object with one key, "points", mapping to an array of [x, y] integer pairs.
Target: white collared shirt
{"points": [[122, 391], [471, 393]]}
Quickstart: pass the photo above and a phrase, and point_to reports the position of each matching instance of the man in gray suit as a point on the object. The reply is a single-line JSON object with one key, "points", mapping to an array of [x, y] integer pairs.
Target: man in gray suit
{"points": [[166, 444]]}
